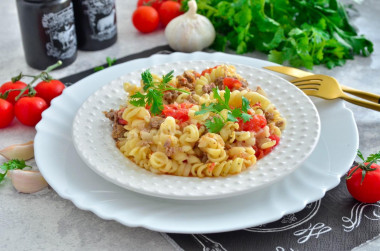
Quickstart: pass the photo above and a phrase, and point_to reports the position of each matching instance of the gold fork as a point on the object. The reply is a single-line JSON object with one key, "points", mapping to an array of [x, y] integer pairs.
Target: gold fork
{"points": [[297, 73], [327, 87]]}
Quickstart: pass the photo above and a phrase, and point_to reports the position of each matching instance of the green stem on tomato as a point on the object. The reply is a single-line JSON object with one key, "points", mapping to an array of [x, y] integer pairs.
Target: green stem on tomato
{"points": [[43, 75]]}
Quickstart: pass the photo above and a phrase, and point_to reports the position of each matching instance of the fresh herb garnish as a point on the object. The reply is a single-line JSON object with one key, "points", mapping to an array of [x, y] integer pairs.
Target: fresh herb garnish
{"points": [[11, 165], [216, 123], [304, 33], [153, 92], [110, 62]]}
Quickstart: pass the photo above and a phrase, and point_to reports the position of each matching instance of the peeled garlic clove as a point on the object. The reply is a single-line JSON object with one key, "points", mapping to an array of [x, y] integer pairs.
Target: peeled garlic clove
{"points": [[27, 181], [19, 151]]}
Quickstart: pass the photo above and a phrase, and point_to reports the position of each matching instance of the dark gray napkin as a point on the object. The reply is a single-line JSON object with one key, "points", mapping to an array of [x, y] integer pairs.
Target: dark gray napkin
{"points": [[336, 222]]}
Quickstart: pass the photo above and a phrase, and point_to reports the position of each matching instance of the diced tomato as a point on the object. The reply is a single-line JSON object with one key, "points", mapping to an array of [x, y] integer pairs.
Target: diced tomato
{"points": [[256, 123], [211, 166], [276, 138], [258, 104], [209, 70], [260, 153], [232, 83], [177, 111], [122, 122]]}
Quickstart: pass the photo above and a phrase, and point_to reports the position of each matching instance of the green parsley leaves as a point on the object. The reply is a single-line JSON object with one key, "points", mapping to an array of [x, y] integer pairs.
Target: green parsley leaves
{"points": [[11, 165], [303, 33], [153, 92], [110, 62], [216, 123]]}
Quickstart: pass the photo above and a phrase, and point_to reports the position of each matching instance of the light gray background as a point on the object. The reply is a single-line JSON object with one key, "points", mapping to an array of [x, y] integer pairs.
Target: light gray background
{"points": [[44, 221]]}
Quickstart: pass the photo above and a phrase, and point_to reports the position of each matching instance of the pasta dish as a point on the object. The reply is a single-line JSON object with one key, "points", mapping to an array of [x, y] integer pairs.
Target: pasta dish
{"points": [[206, 124]]}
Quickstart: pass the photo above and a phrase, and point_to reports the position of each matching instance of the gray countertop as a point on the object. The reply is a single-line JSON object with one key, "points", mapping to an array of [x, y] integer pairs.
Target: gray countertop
{"points": [[45, 221]]}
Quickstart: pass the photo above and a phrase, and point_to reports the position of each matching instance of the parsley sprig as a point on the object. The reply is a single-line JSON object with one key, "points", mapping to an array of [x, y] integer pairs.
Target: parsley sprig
{"points": [[154, 92], [216, 123], [11, 165]]}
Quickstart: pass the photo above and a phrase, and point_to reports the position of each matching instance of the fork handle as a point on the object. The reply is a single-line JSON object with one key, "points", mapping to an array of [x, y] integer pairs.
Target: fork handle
{"points": [[362, 94], [363, 103]]}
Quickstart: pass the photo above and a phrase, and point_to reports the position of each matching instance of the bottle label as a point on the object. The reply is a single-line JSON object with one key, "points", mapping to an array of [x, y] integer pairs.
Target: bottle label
{"points": [[102, 18], [60, 28]]}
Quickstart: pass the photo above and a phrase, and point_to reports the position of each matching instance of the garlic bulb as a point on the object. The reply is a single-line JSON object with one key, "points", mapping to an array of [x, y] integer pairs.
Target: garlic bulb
{"points": [[190, 31], [27, 181], [19, 151]]}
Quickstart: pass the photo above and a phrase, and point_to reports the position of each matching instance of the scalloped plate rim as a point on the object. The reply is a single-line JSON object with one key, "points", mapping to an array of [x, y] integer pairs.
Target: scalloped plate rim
{"points": [[62, 186], [202, 192]]}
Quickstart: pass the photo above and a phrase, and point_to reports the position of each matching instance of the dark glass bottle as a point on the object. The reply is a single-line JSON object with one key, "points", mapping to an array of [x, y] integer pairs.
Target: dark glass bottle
{"points": [[95, 22], [48, 32]]}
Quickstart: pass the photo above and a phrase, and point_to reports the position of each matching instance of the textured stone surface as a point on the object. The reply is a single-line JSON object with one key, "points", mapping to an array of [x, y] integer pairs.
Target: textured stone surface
{"points": [[44, 221]]}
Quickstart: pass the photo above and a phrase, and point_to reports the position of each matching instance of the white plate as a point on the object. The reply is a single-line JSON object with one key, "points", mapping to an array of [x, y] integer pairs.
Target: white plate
{"points": [[93, 141], [72, 179]]}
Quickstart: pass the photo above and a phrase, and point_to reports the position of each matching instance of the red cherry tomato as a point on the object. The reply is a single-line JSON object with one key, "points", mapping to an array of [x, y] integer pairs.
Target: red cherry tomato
{"points": [[366, 190], [145, 19], [232, 83], [28, 110], [6, 113], [168, 11], [256, 123], [177, 111], [17, 85], [49, 89], [154, 3]]}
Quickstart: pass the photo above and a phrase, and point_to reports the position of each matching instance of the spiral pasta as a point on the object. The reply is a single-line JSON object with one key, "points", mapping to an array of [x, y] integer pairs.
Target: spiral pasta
{"points": [[179, 141]]}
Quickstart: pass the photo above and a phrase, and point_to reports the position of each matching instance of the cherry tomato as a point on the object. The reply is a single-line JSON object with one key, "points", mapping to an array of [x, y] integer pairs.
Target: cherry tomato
{"points": [[366, 190], [256, 123], [177, 111], [49, 89], [154, 3], [17, 85], [232, 83], [28, 110], [145, 19], [6, 113], [168, 11]]}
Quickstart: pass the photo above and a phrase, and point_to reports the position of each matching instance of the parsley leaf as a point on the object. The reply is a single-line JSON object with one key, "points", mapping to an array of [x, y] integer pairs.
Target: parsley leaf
{"points": [[110, 62], [137, 99], [246, 117], [216, 123], [153, 92], [11, 165], [303, 33], [154, 98], [166, 78]]}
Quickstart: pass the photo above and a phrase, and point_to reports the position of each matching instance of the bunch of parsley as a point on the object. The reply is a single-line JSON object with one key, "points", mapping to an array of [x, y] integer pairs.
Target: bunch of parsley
{"points": [[301, 32]]}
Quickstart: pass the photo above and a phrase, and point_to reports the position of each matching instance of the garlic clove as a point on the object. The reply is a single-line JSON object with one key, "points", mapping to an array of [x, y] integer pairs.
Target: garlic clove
{"points": [[27, 181], [19, 151], [190, 32]]}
